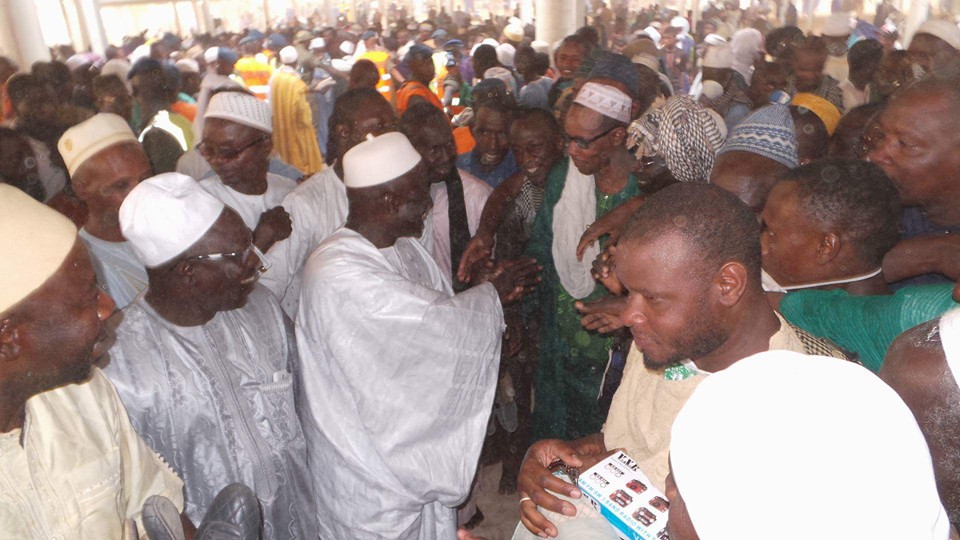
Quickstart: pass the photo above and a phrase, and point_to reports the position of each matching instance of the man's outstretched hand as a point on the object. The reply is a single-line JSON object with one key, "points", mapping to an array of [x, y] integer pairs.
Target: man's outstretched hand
{"points": [[274, 226], [513, 279]]}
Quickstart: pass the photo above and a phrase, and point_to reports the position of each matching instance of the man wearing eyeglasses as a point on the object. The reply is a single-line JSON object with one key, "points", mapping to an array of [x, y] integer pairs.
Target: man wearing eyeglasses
{"points": [[237, 142], [204, 359]]}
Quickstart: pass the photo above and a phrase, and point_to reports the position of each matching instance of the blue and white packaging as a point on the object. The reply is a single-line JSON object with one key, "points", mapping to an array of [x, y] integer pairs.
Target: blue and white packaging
{"points": [[620, 491]]}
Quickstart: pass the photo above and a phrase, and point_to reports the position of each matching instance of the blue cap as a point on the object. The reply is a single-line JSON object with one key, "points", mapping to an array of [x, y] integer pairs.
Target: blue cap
{"points": [[367, 35], [252, 35], [143, 65], [769, 132], [227, 55], [276, 41]]}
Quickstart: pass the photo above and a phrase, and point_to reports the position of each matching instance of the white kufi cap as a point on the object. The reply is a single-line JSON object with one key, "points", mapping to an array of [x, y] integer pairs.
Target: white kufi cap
{"points": [[379, 160], [718, 56], [84, 140], [163, 216], [317, 43], [241, 108], [34, 239], [505, 54], [188, 65], [605, 100], [945, 30], [288, 54]]}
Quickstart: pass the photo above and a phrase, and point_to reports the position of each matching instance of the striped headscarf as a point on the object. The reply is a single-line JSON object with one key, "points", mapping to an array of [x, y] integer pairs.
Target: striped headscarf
{"points": [[684, 133]]}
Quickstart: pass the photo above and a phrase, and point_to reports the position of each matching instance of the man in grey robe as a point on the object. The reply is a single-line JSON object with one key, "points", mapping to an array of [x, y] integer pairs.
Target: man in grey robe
{"points": [[398, 373], [105, 161], [204, 359]]}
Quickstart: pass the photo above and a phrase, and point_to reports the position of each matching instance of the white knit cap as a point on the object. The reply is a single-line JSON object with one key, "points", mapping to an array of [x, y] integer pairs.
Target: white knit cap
{"points": [[317, 43], [540, 46], [788, 433], [513, 32], [163, 216], [950, 340], [605, 100], [837, 25], [379, 160], [211, 54], [347, 47], [714, 39], [84, 140], [718, 56], [187, 65], [120, 68], [288, 54], [653, 33], [945, 30], [34, 239], [491, 42], [241, 108], [680, 22], [711, 90], [505, 54]]}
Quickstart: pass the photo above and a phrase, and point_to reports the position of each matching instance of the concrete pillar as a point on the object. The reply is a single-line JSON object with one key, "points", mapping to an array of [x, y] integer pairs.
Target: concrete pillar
{"points": [[918, 12], [92, 25], [21, 37], [526, 11], [557, 20]]}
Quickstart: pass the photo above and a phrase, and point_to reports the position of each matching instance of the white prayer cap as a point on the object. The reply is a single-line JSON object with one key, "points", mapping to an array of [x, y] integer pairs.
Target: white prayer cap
{"points": [[504, 75], [491, 42], [513, 32], [605, 100], [187, 65], [76, 61], [317, 43], [945, 30], [837, 25], [211, 54], [120, 68], [718, 56], [347, 47], [288, 54], [142, 51], [505, 54], [653, 33], [780, 432], [163, 216], [711, 90], [379, 160], [34, 239], [241, 108], [950, 340], [81, 142], [514, 21], [540, 46], [680, 22]]}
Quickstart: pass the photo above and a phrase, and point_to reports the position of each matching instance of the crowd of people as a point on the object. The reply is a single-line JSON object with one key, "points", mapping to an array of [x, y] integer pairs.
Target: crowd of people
{"points": [[305, 283]]}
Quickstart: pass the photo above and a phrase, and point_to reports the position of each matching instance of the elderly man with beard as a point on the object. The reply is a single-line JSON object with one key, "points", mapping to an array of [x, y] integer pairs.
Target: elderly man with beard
{"points": [[106, 162], [204, 359], [71, 463], [690, 262]]}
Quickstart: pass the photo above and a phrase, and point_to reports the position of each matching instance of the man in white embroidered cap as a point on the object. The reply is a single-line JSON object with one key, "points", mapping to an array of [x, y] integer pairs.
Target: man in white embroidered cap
{"points": [[204, 359], [398, 372], [71, 464], [237, 142]]}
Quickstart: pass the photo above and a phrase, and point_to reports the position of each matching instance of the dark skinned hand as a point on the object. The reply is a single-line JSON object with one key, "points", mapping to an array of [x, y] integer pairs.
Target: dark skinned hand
{"points": [[602, 270], [512, 279], [479, 249], [602, 315], [274, 226]]}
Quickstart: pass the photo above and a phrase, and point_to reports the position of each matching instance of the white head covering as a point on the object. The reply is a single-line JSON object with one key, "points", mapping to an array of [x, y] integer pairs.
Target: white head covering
{"points": [[379, 160], [505, 54], [187, 65], [605, 100], [711, 89], [541, 46], [837, 25], [715, 39], [513, 32], [950, 340], [211, 54], [81, 142], [504, 75], [780, 432], [34, 239], [163, 216], [653, 33], [76, 61], [746, 46], [491, 42], [241, 108], [317, 43], [347, 47], [120, 68], [945, 30], [681, 23], [718, 56], [288, 54]]}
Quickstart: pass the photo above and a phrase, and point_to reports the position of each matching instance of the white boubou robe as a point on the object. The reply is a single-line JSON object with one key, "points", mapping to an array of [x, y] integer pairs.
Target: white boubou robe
{"points": [[398, 382]]}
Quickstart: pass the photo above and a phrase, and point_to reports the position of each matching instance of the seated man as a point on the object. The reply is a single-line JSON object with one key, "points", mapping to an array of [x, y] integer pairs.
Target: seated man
{"points": [[752, 438], [398, 371], [237, 143], [105, 162], [923, 366], [690, 261], [204, 360], [77, 468], [760, 149]]}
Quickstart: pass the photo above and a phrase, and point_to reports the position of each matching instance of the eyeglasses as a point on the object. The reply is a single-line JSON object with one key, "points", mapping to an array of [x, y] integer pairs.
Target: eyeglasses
{"points": [[210, 152], [584, 144], [237, 257]]}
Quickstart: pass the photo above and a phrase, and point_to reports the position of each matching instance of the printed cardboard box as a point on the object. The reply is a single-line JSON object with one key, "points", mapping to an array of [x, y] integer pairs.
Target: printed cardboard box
{"points": [[620, 491]]}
